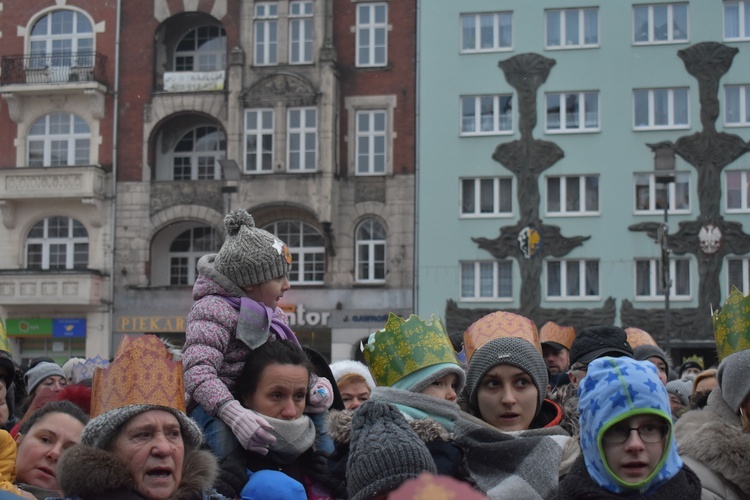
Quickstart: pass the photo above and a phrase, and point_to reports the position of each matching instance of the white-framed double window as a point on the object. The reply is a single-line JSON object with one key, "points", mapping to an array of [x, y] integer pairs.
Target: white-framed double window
{"points": [[371, 131], [660, 108], [572, 279], [301, 32], [571, 28], [487, 280], [196, 155], [61, 39], [572, 112], [573, 195], [302, 139], [738, 274], [487, 114], [202, 49], [487, 197], [185, 251], [649, 282], [57, 243], [736, 20], [660, 23], [266, 26], [372, 34], [736, 105], [487, 32], [738, 190], [307, 247], [59, 140], [650, 195], [370, 238], [259, 144]]}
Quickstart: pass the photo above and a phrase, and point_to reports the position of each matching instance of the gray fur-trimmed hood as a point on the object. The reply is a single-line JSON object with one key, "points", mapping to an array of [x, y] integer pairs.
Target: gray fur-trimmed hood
{"points": [[340, 427], [84, 471]]}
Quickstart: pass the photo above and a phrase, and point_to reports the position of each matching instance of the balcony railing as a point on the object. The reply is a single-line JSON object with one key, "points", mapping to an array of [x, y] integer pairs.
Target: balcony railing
{"points": [[52, 288], [62, 68]]}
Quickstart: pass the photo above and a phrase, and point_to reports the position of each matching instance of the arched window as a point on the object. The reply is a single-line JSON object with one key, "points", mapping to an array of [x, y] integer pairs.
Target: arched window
{"points": [[185, 251], [307, 247], [370, 252], [202, 49], [59, 140], [57, 243], [197, 153], [62, 39]]}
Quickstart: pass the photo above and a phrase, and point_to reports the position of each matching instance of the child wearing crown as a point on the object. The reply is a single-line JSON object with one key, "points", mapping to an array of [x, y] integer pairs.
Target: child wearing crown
{"points": [[237, 293]]}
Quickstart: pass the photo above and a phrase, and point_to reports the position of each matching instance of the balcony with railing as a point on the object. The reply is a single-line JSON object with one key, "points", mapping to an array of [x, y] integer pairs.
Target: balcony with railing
{"points": [[54, 69], [53, 288]]}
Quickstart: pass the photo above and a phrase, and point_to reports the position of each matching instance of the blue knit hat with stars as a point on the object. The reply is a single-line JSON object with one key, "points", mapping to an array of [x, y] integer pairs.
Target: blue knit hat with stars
{"points": [[614, 390]]}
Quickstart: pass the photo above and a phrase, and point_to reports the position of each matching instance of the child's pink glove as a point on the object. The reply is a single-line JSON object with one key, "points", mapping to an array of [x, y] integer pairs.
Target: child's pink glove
{"points": [[321, 395], [251, 430]]}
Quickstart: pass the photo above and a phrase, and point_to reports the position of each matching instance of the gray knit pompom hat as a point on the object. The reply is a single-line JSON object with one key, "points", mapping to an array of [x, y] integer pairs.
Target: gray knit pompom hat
{"points": [[512, 351], [249, 255], [734, 378]]}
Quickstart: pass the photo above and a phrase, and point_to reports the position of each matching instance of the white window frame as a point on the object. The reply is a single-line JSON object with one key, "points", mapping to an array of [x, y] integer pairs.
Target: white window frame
{"points": [[64, 50], [743, 178], [682, 178], [66, 143], [654, 271], [563, 119], [366, 35], [266, 50], [650, 95], [502, 123], [302, 256], [355, 104], [301, 23], [495, 267], [195, 251], [742, 100], [477, 184], [565, 266], [563, 193], [670, 24], [562, 20], [196, 155], [259, 133], [369, 141], [65, 243], [743, 30], [495, 18], [366, 266], [206, 53], [302, 133], [744, 269]]}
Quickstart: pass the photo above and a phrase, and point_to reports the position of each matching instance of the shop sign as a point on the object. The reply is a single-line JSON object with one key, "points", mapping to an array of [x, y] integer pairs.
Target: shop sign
{"points": [[69, 327], [150, 324], [46, 327], [297, 315]]}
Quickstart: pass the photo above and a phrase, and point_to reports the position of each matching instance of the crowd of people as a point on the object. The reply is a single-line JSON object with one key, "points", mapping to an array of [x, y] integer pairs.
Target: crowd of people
{"points": [[243, 410]]}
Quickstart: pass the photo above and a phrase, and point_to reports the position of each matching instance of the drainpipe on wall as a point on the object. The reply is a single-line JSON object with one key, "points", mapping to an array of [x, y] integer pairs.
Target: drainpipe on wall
{"points": [[415, 271]]}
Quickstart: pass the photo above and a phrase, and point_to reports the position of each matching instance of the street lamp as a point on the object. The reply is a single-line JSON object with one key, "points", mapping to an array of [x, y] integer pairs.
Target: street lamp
{"points": [[665, 174], [231, 176]]}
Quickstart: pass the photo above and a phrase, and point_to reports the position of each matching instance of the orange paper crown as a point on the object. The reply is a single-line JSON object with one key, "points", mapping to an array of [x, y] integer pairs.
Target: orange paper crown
{"points": [[638, 337], [497, 325], [142, 373], [552, 332]]}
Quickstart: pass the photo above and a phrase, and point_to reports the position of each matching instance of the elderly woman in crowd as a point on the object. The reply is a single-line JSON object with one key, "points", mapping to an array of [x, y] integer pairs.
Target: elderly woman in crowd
{"points": [[354, 382], [140, 443]]}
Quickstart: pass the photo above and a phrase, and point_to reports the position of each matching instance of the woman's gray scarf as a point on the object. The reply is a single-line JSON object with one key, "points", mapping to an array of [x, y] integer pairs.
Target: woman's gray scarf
{"points": [[417, 405], [293, 438]]}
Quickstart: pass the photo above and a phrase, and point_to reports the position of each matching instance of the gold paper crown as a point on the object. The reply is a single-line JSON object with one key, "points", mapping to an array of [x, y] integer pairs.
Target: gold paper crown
{"points": [[4, 344], [142, 373], [552, 332], [497, 325], [638, 337], [732, 324], [698, 360], [405, 346]]}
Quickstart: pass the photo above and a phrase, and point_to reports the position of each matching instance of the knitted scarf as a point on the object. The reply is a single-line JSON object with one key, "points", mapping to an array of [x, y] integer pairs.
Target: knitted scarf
{"points": [[257, 321], [293, 438], [416, 405]]}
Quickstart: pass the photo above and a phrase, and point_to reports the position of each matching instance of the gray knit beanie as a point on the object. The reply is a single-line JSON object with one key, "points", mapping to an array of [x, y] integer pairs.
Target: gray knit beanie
{"points": [[384, 451], [40, 372], [645, 351], [506, 351], [682, 388], [734, 378], [249, 255]]}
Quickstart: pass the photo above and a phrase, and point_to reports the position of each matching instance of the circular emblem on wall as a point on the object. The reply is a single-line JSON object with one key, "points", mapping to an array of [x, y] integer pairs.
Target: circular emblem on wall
{"points": [[529, 241], [710, 238]]}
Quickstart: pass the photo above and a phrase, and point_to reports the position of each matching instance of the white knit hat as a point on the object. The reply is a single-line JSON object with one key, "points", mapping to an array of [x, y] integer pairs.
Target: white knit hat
{"points": [[341, 368]]}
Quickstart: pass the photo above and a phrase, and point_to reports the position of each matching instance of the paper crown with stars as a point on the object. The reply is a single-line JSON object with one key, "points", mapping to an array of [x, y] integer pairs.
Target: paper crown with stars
{"points": [[497, 325], [85, 370], [405, 346], [638, 337], [142, 373], [732, 324], [557, 335]]}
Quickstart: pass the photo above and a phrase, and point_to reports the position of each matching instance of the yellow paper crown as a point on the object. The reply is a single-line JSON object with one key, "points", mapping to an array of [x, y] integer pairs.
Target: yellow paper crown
{"points": [[4, 344], [698, 360], [638, 337], [405, 346], [732, 324], [142, 373], [552, 332], [497, 325]]}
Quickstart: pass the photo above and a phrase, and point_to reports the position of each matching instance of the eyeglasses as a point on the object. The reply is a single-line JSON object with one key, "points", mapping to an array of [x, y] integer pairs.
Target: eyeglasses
{"points": [[649, 433]]}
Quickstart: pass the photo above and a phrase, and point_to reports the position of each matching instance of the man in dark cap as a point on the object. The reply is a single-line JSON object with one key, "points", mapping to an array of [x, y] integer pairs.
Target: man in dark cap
{"points": [[596, 342]]}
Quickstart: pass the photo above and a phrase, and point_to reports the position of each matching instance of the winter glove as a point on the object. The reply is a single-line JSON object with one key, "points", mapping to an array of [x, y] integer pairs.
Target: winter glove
{"points": [[321, 395], [251, 430]]}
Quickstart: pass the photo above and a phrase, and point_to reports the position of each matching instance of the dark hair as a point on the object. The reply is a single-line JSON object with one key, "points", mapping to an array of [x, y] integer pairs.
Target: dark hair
{"points": [[281, 352], [54, 407]]}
